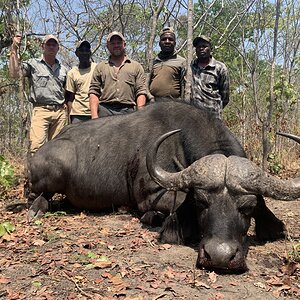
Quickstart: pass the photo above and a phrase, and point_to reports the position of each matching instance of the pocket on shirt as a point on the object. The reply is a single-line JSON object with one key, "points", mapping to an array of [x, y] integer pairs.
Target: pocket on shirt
{"points": [[130, 82], [42, 80]]}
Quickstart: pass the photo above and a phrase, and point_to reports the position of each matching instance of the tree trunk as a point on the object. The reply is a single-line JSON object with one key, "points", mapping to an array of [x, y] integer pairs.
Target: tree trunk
{"points": [[189, 51]]}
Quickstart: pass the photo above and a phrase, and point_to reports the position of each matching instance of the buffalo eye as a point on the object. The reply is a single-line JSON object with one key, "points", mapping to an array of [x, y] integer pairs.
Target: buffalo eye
{"points": [[246, 210], [248, 205]]}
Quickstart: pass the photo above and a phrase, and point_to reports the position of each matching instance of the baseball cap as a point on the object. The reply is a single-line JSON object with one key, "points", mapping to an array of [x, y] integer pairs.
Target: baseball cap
{"points": [[201, 38], [115, 33], [80, 44], [167, 30], [50, 37]]}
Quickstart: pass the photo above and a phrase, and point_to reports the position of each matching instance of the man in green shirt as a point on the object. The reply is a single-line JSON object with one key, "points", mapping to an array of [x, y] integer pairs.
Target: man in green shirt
{"points": [[167, 79], [118, 84]]}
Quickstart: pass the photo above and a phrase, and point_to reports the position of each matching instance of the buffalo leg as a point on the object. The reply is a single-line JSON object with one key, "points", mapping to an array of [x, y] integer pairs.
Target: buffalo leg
{"points": [[181, 227], [38, 207], [267, 226]]}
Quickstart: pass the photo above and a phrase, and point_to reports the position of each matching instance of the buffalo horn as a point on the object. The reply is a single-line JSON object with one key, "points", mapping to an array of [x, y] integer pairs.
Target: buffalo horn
{"points": [[206, 172], [291, 136], [245, 176]]}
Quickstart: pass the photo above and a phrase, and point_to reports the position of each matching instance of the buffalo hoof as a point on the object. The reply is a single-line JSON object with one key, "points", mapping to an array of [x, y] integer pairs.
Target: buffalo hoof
{"points": [[38, 208], [153, 218]]}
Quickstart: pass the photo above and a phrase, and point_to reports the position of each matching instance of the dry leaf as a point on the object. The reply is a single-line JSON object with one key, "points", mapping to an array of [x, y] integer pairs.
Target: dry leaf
{"points": [[212, 277], [164, 247], [4, 280], [216, 286], [38, 242], [290, 268], [116, 280], [201, 284], [102, 264]]}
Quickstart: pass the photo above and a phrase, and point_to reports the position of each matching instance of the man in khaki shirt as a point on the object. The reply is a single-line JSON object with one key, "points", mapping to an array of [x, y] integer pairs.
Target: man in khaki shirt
{"points": [[118, 84], [47, 78], [78, 83]]}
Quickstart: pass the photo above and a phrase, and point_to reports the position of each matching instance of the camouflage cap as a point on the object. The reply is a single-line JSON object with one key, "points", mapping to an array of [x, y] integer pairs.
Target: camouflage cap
{"points": [[201, 38], [167, 30]]}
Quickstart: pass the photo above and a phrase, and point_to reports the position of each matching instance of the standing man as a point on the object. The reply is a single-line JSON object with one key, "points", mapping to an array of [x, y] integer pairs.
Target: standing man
{"points": [[78, 83], [167, 79], [47, 78], [118, 84], [210, 87]]}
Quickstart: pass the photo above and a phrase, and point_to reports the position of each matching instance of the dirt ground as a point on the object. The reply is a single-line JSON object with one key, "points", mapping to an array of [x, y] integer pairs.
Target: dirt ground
{"points": [[77, 255]]}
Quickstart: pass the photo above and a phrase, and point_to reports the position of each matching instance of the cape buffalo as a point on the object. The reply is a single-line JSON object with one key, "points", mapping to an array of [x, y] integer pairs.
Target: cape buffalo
{"points": [[199, 178]]}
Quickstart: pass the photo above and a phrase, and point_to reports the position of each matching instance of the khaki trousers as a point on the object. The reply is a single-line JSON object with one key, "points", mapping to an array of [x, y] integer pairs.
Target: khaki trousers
{"points": [[46, 123]]}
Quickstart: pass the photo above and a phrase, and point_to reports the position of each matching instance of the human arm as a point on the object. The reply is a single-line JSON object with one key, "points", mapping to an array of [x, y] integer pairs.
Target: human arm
{"points": [[224, 86], [94, 104], [69, 97], [140, 101], [140, 87], [183, 80], [70, 90], [95, 91], [14, 60]]}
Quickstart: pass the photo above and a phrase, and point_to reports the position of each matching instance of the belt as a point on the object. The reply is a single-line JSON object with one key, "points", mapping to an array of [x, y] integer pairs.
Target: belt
{"points": [[116, 105], [54, 107]]}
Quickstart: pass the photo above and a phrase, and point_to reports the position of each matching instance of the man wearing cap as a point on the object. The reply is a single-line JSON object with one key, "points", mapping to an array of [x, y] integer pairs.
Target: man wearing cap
{"points": [[118, 84], [167, 78], [78, 83], [210, 87], [47, 79]]}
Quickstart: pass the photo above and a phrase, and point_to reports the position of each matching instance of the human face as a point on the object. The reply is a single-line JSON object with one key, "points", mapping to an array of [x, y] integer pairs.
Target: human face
{"points": [[84, 54], [167, 43], [203, 49], [50, 48], [116, 46]]}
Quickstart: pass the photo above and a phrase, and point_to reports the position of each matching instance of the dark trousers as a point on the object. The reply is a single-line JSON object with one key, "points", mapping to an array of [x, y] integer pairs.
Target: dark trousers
{"points": [[107, 109]]}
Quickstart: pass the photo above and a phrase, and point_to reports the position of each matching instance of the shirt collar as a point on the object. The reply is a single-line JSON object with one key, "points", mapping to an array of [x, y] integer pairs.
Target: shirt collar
{"points": [[212, 62], [161, 56], [42, 60], [126, 60]]}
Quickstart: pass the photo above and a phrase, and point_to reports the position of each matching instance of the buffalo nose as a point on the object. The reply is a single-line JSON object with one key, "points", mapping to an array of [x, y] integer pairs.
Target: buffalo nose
{"points": [[223, 255]]}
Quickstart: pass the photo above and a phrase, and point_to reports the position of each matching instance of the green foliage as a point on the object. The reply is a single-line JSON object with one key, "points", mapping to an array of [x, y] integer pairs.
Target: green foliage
{"points": [[285, 92], [274, 163], [6, 228], [54, 214], [7, 175], [294, 253]]}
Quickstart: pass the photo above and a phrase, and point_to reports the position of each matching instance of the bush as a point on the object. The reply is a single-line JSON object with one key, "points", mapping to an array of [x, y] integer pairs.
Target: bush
{"points": [[7, 174], [274, 163]]}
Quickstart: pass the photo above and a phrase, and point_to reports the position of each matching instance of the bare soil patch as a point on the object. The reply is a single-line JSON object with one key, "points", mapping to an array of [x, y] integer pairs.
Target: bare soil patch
{"points": [[78, 255]]}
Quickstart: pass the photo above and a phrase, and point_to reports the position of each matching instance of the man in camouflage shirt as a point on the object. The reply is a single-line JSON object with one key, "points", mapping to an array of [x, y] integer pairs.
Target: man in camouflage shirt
{"points": [[210, 86]]}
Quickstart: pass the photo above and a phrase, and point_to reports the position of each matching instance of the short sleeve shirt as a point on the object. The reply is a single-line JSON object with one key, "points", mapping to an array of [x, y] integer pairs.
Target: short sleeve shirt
{"points": [[167, 77], [46, 83], [78, 83], [118, 85]]}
